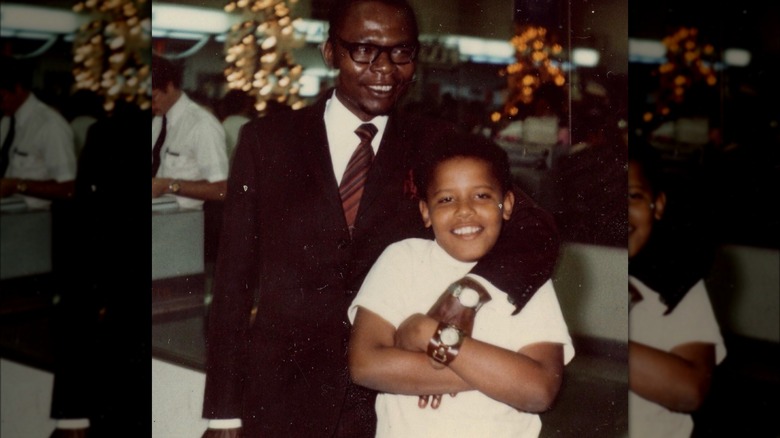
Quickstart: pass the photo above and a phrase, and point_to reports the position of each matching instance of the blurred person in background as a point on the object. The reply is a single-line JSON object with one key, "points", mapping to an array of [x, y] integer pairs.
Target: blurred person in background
{"points": [[37, 158], [189, 153], [236, 108], [83, 108], [100, 357]]}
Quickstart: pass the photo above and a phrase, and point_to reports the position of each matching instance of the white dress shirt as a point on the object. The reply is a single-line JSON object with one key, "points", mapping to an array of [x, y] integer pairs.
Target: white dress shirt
{"points": [[340, 125], [195, 146], [42, 148]]}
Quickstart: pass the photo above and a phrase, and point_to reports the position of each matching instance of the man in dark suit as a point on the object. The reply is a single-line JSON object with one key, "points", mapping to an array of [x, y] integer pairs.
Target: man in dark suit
{"points": [[289, 263], [100, 328]]}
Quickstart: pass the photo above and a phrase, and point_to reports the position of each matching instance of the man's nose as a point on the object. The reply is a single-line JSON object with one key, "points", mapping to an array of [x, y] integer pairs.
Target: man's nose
{"points": [[383, 63]]}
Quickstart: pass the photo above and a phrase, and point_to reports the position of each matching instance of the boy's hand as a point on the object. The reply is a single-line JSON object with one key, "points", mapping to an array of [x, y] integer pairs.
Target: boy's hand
{"points": [[414, 333], [422, 402]]}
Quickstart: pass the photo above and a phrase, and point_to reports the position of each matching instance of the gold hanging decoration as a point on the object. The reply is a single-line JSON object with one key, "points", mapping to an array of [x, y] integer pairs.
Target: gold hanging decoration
{"points": [[258, 51], [108, 51], [537, 62], [688, 64]]}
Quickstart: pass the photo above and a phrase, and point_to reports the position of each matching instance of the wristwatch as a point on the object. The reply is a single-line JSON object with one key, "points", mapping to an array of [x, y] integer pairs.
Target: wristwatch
{"points": [[174, 186], [21, 186], [445, 343]]}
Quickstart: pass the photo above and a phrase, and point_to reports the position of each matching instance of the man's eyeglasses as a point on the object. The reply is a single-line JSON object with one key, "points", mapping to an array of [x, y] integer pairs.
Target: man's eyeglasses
{"points": [[366, 53]]}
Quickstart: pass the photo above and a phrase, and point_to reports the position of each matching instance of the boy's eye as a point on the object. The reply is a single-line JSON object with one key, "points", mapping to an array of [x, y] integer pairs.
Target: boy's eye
{"points": [[444, 200], [484, 196]]}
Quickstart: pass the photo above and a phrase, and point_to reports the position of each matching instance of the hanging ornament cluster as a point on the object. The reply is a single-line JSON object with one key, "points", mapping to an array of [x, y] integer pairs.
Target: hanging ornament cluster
{"points": [[108, 51], [688, 64], [537, 62], [258, 51]]}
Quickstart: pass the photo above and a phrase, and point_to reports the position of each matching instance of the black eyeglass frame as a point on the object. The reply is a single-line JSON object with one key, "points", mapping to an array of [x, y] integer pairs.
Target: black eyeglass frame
{"points": [[352, 47]]}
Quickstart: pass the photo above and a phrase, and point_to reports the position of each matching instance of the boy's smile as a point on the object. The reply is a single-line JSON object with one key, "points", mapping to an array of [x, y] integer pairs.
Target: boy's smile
{"points": [[466, 208]]}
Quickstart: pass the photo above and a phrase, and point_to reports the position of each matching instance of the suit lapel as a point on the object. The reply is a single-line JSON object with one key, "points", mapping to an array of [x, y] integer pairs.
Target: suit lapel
{"points": [[314, 153], [389, 166]]}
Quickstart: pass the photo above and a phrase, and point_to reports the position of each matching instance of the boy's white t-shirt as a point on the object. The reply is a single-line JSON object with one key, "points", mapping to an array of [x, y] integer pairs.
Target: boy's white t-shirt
{"points": [[693, 320], [408, 278]]}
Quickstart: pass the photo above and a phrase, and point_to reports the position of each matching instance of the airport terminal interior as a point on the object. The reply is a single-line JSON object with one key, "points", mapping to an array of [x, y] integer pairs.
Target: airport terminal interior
{"points": [[607, 71]]}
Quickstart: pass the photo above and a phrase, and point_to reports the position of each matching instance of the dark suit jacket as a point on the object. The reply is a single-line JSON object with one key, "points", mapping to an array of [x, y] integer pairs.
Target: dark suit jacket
{"points": [[286, 242], [101, 327]]}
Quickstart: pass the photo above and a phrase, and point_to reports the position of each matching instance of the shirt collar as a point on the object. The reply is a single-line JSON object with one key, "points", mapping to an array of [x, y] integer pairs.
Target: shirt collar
{"points": [[177, 109], [337, 115], [26, 109], [444, 257]]}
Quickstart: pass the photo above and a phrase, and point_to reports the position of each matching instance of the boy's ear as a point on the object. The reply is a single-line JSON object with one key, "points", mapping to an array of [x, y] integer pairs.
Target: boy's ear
{"points": [[508, 205], [425, 213]]}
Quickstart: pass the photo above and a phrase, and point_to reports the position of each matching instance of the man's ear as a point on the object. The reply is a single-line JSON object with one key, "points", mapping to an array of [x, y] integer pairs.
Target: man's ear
{"points": [[326, 49], [507, 205], [425, 213]]}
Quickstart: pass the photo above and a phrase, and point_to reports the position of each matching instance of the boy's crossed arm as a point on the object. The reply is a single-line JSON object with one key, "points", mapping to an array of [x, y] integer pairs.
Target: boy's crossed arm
{"points": [[393, 361]]}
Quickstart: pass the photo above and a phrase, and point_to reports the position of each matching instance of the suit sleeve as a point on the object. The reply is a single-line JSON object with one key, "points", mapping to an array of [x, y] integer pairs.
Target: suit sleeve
{"points": [[526, 254], [235, 282]]}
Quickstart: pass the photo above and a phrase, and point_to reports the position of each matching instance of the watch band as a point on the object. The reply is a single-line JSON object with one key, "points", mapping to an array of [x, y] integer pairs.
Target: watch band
{"points": [[445, 343], [454, 306], [459, 288]]}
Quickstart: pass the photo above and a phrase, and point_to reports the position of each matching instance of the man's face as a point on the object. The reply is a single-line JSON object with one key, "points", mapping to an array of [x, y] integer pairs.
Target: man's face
{"points": [[164, 98], [11, 100], [370, 90]]}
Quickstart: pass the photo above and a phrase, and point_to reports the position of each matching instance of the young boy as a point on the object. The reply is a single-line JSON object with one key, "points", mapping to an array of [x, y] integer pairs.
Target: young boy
{"points": [[674, 339], [510, 367]]}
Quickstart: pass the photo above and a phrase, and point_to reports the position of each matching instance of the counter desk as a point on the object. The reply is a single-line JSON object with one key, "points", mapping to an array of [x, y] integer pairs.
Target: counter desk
{"points": [[178, 268], [25, 240]]}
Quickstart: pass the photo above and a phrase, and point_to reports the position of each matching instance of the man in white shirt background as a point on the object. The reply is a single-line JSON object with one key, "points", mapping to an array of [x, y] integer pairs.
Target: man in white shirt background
{"points": [[191, 145], [37, 158]]}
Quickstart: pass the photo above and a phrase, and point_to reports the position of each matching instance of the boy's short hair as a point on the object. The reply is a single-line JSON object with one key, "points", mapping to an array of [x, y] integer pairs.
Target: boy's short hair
{"points": [[166, 72], [454, 144]]}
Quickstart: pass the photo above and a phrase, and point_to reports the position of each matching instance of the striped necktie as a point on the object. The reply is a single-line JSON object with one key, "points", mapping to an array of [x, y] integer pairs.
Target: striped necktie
{"points": [[156, 157], [5, 152], [351, 188]]}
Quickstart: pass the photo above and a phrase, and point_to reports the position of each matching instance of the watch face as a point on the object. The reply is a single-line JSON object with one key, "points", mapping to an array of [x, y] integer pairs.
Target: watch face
{"points": [[450, 336], [468, 297]]}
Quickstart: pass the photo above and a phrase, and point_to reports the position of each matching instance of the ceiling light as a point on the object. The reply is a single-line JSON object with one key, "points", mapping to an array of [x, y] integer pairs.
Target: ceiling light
{"points": [[38, 19], [191, 19], [736, 57]]}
